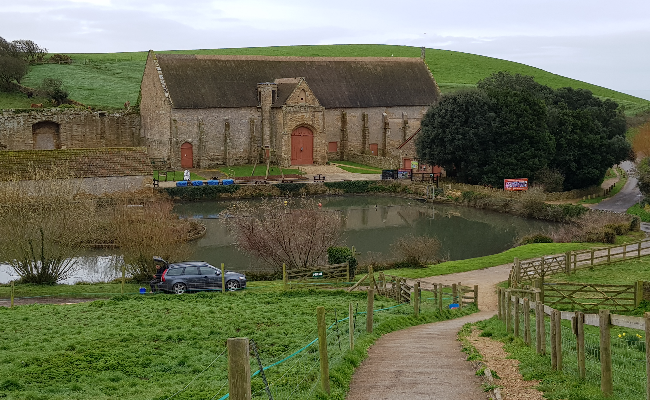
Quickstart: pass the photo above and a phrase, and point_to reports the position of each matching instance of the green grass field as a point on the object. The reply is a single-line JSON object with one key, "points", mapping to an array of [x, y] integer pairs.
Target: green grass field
{"points": [[108, 80], [156, 347], [357, 168], [237, 171]]}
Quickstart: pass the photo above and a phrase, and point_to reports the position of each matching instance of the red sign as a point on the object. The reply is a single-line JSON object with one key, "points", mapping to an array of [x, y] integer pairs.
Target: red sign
{"points": [[515, 184]]}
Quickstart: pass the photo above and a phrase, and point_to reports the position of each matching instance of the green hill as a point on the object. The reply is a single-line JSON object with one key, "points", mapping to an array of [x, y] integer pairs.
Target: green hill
{"points": [[108, 80]]}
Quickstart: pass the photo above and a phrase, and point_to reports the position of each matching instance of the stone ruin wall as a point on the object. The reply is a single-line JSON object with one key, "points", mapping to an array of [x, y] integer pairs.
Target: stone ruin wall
{"points": [[77, 128]]}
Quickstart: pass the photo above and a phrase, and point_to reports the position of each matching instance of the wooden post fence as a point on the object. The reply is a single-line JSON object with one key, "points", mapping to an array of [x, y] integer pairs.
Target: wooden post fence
{"points": [[499, 304], [12, 295], [540, 331], [369, 310], [476, 295], [517, 316], [553, 341], [239, 369], [558, 339], [285, 278], [351, 326], [647, 353], [223, 278], [440, 289], [322, 349], [123, 278], [527, 321], [454, 293], [416, 299], [606, 382], [508, 311], [580, 343]]}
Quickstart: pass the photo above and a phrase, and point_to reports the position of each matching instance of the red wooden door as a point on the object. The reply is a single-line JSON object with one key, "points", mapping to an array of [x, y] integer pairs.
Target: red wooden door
{"points": [[187, 157], [302, 146], [374, 149], [407, 163]]}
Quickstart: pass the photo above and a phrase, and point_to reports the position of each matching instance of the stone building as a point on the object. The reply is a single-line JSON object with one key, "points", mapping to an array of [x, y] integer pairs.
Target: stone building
{"points": [[203, 111]]}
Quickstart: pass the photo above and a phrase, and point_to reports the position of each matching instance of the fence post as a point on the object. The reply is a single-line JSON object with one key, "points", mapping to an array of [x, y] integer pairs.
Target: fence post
{"points": [[558, 339], [638, 293], [553, 341], [580, 343], [347, 271], [223, 278], [441, 288], [461, 293], [500, 303], [123, 278], [527, 321], [454, 292], [322, 349], [369, 309], [647, 354], [609, 254], [416, 300], [476, 295], [351, 326], [285, 277], [239, 369], [508, 311], [639, 250], [516, 316], [12, 294], [517, 272], [592, 257], [540, 331], [567, 262], [606, 383]]}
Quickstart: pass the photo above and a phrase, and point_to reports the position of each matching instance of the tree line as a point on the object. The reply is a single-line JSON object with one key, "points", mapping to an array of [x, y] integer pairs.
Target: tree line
{"points": [[513, 127]]}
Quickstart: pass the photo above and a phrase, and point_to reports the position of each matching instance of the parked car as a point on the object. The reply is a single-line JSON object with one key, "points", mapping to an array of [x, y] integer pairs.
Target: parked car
{"points": [[196, 275]]}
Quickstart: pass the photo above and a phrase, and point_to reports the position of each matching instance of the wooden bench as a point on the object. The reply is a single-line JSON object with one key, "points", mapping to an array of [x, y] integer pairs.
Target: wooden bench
{"points": [[319, 178]]}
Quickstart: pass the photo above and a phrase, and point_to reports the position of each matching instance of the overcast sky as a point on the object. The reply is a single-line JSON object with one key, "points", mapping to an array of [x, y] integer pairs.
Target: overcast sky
{"points": [[606, 43]]}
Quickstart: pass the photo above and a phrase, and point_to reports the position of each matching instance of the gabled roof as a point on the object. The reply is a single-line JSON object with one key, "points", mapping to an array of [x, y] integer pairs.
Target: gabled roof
{"points": [[197, 81]]}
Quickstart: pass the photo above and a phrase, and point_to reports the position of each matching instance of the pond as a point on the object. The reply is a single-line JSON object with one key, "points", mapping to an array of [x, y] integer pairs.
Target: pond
{"points": [[371, 225]]}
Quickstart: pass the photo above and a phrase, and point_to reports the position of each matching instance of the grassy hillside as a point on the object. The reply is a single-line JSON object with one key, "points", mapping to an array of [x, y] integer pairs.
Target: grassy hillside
{"points": [[108, 80]]}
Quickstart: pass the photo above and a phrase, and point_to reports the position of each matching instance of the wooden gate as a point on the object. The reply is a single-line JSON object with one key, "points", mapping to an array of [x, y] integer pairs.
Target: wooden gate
{"points": [[187, 156], [302, 146]]}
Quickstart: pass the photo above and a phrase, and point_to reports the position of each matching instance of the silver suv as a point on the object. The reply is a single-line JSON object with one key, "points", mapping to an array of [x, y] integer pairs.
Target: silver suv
{"points": [[197, 275]]}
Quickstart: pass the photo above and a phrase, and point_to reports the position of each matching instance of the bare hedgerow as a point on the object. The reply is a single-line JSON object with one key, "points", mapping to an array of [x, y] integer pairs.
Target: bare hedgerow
{"points": [[416, 251], [593, 226], [296, 232]]}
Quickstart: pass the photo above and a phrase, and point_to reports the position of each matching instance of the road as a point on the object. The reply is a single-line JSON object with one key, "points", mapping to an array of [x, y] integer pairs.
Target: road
{"points": [[627, 197]]}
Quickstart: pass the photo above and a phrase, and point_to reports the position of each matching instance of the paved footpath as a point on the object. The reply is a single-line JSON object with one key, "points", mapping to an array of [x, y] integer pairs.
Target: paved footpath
{"points": [[419, 363]]}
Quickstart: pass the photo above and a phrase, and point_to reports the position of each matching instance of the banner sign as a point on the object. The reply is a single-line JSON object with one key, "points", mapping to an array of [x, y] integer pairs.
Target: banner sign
{"points": [[515, 184]]}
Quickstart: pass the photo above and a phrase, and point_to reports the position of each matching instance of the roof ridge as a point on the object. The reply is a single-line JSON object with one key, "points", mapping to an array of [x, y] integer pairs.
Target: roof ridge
{"points": [[286, 58]]}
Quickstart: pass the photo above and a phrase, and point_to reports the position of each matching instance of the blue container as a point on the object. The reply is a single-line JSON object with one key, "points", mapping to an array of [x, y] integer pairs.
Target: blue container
{"points": [[213, 182], [197, 183], [143, 290], [181, 183], [453, 306], [228, 182]]}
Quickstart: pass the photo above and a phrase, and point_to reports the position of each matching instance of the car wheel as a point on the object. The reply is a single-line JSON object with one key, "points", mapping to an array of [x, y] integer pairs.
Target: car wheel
{"points": [[232, 285], [179, 288]]}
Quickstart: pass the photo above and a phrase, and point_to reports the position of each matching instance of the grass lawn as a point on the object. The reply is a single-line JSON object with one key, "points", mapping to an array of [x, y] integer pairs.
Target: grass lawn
{"points": [[260, 170], [108, 80], [620, 273], [522, 252], [136, 347], [178, 176], [640, 211], [357, 168]]}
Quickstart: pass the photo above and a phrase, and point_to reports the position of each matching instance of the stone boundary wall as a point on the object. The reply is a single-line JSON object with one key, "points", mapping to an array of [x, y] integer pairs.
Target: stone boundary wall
{"points": [[77, 128], [94, 186]]}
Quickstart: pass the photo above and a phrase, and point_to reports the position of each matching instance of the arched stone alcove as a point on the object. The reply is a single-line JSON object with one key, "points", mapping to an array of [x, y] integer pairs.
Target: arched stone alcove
{"points": [[46, 135]]}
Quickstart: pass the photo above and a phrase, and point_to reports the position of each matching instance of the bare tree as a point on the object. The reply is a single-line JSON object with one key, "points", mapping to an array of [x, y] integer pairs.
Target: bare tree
{"points": [[43, 225], [150, 229], [417, 251], [294, 232]]}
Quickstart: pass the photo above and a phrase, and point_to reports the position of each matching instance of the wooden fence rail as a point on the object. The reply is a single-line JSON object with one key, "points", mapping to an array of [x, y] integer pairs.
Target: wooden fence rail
{"points": [[336, 272], [511, 306], [528, 270]]}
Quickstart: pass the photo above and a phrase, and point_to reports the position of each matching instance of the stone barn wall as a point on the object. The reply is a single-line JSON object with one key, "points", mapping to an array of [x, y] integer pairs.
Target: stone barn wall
{"points": [[56, 128]]}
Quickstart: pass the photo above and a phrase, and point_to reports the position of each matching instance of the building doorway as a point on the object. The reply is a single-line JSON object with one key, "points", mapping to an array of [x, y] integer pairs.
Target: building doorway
{"points": [[302, 146], [187, 156], [46, 135]]}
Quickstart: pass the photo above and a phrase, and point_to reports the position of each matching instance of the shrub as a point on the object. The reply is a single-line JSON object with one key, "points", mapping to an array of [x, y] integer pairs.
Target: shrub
{"points": [[60, 59], [551, 180], [416, 251], [536, 238], [342, 254], [593, 226], [533, 204], [53, 89]]}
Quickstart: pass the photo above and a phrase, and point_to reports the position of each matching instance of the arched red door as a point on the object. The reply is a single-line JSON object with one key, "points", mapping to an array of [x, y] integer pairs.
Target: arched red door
{"points": [[187, 156], [302, 146]]}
